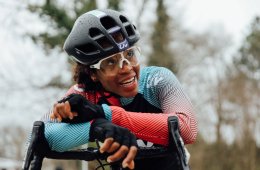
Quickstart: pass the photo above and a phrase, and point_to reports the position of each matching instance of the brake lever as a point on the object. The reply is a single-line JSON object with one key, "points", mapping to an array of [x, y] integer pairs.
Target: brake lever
{"points": [[176, 143], [38, 129]]}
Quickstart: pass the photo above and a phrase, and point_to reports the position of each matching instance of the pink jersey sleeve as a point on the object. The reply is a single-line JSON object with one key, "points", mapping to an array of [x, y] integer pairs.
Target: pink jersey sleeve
{"points": [[146, 126], [152, 127]]}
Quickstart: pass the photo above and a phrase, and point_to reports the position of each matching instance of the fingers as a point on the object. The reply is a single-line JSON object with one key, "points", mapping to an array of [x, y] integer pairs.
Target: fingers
{"points": [[119, 142], [127, 154], [129, 159], [131, 165], [55, 113], [109, 146], [115, 146], [120, 153], [106, 145], [62, 111], [67, 109]]}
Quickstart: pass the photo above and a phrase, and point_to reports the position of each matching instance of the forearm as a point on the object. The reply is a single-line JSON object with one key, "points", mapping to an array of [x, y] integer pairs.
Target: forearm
{"points": [[64, 136], [153, 127], [146, 126]]}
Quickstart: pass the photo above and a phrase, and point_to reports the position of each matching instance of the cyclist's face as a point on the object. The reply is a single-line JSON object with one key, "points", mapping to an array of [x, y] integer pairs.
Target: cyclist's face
{"points": [[119, 73]]}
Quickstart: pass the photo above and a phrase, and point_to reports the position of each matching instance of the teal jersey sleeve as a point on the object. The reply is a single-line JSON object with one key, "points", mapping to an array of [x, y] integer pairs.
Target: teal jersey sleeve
{"points": [[64, 136]]}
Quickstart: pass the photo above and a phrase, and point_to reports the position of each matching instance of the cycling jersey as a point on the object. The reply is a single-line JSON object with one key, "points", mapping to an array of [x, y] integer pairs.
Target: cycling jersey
{"points": [[159, 95]]}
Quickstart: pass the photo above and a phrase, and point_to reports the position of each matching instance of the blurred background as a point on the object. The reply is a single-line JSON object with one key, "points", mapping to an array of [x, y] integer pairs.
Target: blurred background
{"points": [[212, 46]]}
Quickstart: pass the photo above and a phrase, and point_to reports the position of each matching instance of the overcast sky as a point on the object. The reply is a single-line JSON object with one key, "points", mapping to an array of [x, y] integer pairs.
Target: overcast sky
{"points": [[234, 15]]}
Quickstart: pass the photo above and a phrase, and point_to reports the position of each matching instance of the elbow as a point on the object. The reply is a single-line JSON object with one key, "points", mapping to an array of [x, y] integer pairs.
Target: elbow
{"points": [[189, 131], [191, 138], [190, 134]]}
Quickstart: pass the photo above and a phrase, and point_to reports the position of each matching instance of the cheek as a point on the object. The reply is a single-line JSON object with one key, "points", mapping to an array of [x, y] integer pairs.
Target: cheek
{"points": [[108, 82], [137, 71]]}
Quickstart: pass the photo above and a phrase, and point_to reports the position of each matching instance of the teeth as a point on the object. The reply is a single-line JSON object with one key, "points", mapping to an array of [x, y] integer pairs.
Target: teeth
{"points": [[128, 81]]}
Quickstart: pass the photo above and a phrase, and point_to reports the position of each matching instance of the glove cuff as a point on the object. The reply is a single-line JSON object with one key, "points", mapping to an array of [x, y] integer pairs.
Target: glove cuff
{"points": [[107, 112]]}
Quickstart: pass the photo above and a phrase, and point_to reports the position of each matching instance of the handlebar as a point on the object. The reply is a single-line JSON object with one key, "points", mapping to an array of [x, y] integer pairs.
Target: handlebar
{"points": [[37, 149]]}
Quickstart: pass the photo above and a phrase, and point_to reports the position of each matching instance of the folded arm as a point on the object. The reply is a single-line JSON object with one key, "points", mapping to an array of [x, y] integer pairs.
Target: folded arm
{"points": [[149, 126]]}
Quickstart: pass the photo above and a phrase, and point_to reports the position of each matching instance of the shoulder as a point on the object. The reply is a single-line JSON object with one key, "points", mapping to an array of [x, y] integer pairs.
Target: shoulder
{"points": [[151, 70], [153, 75], [76, 89]]}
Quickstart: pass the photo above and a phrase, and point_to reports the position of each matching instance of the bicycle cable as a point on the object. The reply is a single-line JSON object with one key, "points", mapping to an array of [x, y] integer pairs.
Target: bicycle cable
{"points": [[101, 165]]}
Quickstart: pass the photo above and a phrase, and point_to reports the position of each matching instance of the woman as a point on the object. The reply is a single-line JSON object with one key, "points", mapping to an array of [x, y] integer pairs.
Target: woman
{"points": [[111, 87]]}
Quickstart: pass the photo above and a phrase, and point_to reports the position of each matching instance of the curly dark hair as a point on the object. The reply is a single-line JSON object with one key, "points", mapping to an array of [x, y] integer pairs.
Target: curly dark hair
{"points": [[82, 77]]}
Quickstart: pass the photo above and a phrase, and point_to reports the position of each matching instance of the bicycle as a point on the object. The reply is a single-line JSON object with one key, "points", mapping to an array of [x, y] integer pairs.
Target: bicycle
{"points": [[35, 156]]}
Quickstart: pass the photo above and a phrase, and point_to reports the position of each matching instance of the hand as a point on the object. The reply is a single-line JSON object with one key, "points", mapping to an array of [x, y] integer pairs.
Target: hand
{"points": [[62, 111], [118, 141], [76, 109]]}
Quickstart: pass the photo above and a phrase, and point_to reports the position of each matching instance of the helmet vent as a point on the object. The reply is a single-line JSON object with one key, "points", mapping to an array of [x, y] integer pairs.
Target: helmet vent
{"points": [[104, 43], [123, 19], [129, 30], [108, 22], [88, 49], [127, 25], [94, 32], [118, 36]]}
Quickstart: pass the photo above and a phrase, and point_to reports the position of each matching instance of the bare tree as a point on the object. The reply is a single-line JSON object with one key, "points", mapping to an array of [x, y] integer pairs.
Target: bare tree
{"points": [[13, 138]]}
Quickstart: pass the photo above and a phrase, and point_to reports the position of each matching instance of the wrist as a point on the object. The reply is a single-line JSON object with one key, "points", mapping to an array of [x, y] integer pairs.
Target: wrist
{"points": [[107, 111]]}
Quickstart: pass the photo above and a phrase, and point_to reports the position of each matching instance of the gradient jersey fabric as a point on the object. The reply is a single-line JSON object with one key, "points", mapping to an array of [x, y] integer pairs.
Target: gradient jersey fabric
{"points": [[160, 95]]}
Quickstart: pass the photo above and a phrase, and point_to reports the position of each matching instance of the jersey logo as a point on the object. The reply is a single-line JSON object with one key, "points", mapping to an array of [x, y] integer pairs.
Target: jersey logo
{"points": [[153, 80], [142, 143]]}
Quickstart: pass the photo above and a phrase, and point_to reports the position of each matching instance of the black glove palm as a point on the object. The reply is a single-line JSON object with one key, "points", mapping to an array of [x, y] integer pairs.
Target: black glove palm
{"points": [[86, 110]]}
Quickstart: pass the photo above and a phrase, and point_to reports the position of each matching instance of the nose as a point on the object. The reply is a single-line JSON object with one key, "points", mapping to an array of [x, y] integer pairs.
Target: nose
{"points": [[125, 65], [123, 61]]}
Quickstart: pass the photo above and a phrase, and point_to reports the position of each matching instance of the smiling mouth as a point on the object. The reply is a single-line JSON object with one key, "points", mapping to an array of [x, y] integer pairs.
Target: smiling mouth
{"points": [[128, 82]]}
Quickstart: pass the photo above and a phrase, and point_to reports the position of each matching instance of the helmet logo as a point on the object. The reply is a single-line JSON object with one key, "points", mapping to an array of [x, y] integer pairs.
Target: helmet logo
{"points": [[123, 45]]}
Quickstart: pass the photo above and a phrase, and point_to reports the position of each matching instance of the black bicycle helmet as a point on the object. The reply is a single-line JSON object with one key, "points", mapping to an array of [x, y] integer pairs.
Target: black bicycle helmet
{"points": [[93, 29]]}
